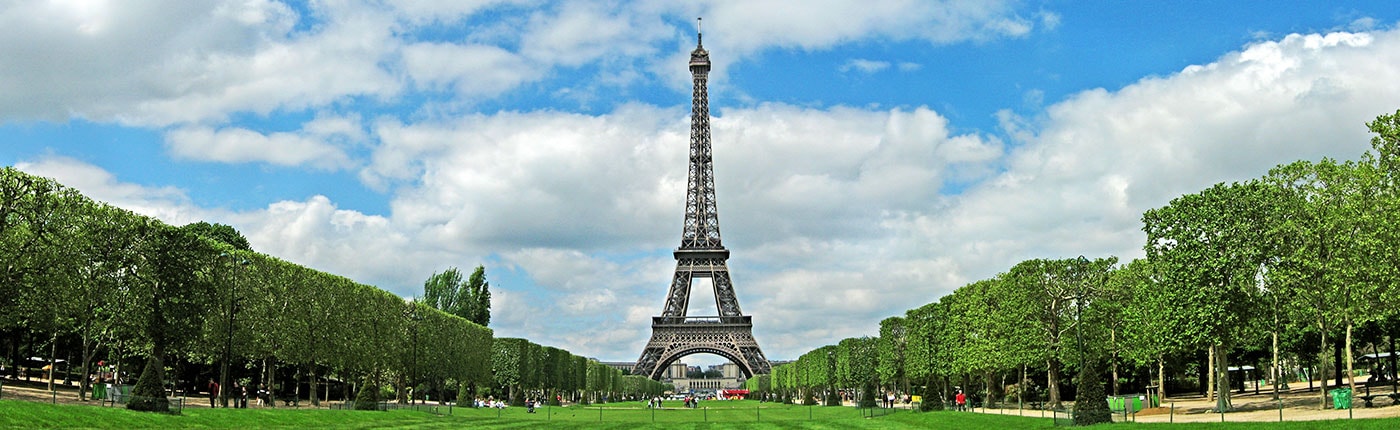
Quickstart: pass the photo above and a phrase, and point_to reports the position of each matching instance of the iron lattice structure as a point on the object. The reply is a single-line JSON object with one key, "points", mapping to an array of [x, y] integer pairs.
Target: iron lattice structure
{"points": [[701, 255]]}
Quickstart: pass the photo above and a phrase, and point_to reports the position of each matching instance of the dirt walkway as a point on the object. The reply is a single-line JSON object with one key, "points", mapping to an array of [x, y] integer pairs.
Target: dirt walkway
{"points": [[1298, 404], [37, 391]]}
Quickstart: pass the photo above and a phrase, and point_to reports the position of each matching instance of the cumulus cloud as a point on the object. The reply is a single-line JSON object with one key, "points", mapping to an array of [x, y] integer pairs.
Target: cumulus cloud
{"points": [[856, 212], [313, 145], [164, 202], [863, 65], [164, 62], [1080, 181]]}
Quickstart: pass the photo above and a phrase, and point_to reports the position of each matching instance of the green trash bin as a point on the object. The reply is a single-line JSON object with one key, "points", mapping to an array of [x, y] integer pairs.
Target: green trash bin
{"points": [[1341, 398]]}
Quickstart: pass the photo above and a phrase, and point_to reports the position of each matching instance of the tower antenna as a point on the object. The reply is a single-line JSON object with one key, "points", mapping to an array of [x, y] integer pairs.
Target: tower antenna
{"points": [[699, 31]]}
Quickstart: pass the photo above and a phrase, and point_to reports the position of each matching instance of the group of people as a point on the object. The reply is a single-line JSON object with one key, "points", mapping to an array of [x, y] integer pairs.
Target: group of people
{"points": [[692, 402], [238, 396], [490, 402], [654, 403], [891, 398]]}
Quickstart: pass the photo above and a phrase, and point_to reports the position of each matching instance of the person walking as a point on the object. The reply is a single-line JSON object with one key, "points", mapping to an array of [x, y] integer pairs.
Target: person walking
{"points": [[213, 392]]}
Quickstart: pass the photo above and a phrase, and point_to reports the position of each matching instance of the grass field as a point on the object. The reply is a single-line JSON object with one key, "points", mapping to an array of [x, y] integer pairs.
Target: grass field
{"points": [[715, 415]]}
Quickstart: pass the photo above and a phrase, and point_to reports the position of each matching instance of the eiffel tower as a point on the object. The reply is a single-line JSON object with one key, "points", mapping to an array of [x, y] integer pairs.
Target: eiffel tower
{"points": [[701, 254]]}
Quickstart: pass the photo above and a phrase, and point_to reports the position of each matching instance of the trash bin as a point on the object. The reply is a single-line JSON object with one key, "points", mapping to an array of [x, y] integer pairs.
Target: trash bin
{"points": [[1341, 398]]}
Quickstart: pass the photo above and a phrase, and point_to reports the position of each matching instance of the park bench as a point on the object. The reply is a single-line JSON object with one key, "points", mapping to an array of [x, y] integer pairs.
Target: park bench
{"points": [[1394, 398]]}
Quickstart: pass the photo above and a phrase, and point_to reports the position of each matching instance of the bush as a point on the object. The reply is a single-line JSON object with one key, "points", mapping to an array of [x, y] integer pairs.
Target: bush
{"points": [[1090, 404], [367, 399], [832, 398], [464, 395], [149, 393], [868, 395], [932, 400]]}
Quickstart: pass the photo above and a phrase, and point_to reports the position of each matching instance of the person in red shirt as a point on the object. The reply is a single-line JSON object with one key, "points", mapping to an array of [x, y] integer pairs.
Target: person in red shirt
{"points": [[961, 400], [213, 391]]}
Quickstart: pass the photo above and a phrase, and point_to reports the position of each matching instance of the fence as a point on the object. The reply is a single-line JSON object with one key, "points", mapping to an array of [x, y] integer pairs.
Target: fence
{"points": [[614, 413]]}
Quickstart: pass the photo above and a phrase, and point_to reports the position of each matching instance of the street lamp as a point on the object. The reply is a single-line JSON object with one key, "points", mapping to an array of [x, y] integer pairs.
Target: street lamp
{"points": [[228, 341], [414, 317], [1079, 307]]}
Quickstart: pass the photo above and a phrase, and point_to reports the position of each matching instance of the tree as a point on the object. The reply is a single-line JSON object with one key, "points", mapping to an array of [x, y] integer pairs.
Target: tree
{"points": [[892, 343], [480, 296], [175, 284], [1045, 291], [469, 299], [446, 292], [220, 233], [1209, 246]]}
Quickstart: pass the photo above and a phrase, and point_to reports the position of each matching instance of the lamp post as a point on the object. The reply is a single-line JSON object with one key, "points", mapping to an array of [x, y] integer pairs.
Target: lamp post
{"points": [[413, 317], [228, 341], [1079, 307]]}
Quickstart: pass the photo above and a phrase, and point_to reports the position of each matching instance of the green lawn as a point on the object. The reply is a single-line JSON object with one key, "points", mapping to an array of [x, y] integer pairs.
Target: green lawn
{"points": [[716, 415]]}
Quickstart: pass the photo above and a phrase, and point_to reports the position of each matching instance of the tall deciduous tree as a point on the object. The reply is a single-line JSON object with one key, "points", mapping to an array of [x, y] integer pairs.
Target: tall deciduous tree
{"points": [[1209, 246], [220, 233], [469, 298], [445, 292], [480, 297], [891, 346]]}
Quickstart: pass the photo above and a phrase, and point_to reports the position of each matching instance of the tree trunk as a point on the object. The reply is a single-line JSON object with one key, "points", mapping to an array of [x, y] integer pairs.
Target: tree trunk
{"points": [[296, 388], [271, 380], [53, 359], [1161, 377], [1113, 340], [311, 385], [89, 350], [1351, 374], [1322, 370], [1021, 387], [1052, 382], [987, 380], [1210, 373], [1277, 376], [1222, 364], [1337, 361], [1393, 383]]}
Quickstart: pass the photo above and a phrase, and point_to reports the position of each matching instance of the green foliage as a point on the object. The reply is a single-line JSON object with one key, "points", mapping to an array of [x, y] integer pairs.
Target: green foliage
{"points": [[123, 283], [469, 298], [221, 233], [149, 393], [481, 297], [932, 399], [869, 395], [368, 397], [890, 351], [1091, 405]]}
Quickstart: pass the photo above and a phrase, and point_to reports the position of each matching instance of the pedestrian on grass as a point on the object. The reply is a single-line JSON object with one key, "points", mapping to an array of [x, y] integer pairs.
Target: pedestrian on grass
{"points": [[213, 392]]}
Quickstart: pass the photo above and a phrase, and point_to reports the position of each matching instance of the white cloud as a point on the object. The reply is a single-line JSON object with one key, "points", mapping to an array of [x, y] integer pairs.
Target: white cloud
{"points": [[165, 62], [164, 202], [470, 69], [836, 211], [312, 146], [864, 66]]}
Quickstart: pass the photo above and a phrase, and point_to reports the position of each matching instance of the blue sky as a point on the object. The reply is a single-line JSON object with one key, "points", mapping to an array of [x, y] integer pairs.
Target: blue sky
{"points": [[871, 156]]}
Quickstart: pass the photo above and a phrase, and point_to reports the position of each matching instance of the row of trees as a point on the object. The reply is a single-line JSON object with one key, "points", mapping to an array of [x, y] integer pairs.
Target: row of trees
{"points": [[1299, 266], [527, 370], [90, 281]]}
